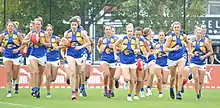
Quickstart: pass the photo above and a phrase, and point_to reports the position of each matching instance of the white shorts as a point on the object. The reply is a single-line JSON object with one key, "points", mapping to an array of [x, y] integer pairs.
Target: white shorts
{"points": [[165, 68], [88, 62], [130, 66], [111, 65], [174, 62], [27, 60], [145, 66], [15, 61], [41, 60], [78, 61], [54, 63], [201, 67], [152, 62], [118, 65], [66, 65]]}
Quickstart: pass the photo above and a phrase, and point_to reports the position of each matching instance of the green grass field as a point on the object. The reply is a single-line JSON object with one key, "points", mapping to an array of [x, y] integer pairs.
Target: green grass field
{"points": [[61, 98]]}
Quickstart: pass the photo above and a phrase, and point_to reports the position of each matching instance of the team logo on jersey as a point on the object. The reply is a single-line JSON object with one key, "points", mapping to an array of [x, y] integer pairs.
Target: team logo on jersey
{"points": [[78, 34], [125, 41], [141, 43], [108, 50], [104, 40], [69, 35], [53, 40], [201, 44], [112, 40], [133, 41], [127, 52]]}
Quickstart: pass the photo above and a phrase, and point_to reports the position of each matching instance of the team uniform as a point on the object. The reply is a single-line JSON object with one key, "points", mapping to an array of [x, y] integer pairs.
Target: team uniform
{"points": [[161, 58], [53, 56], [38, 53], [150, 61], [108, 57], [141, 54], [161, 65], [77, 55], [10, 43], [76, 40], [176, 56], [128, 59], [198, 50]]}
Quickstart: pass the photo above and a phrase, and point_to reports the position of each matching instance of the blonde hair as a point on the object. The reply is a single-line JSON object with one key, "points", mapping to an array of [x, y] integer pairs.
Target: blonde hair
{"points": [[176, 23], [130, 25], [8, 22], [16, 23], [39, 19], [49, 25], [197, 29]]}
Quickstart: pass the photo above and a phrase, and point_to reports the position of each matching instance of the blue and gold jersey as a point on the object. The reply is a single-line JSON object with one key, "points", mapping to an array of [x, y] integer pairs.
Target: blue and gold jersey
{"points": [[142, 50], [127, 50], [53, 55], [39, 50], [177, 41], [198, 50], [161, 57], [10, 43], [151, 46], [76, 40], [107, 47]]}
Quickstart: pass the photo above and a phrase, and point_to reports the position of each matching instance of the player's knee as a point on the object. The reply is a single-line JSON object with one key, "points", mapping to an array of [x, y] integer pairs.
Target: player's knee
{"points": [[159, 80], [200, 82], [164, 81], [14, 77], [196, 78], [127, 79], [172, 78], [87, 77]]}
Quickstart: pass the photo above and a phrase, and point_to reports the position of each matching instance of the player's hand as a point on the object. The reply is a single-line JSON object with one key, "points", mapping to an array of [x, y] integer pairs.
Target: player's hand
{"points": [[100, 51], [136, 51], [176, 48], [78, 47], [116, 57], [202, 57], [15, 51], [2, 49], [157, 51], [56, 48]]}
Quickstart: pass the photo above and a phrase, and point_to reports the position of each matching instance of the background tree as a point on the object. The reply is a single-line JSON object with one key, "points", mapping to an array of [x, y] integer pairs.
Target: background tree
{"points": [[159, 14]]}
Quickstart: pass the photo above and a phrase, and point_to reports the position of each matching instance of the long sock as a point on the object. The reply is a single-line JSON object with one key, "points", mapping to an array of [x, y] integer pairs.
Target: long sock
{"points": [[109, 91], [82, 87], [184, 81], [105, 89], [16, 87], [129, 95], [142, 89], [76, 90]]}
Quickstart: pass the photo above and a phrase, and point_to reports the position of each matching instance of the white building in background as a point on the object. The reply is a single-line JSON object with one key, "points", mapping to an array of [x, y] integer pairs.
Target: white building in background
{"points": [[213, 7], [212, 20]]}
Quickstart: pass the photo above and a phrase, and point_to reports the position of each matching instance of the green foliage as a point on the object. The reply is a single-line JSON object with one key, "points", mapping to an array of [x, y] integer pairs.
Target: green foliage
{"points": [[159, 14], [24, 11]]}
